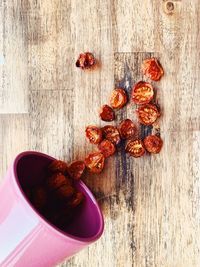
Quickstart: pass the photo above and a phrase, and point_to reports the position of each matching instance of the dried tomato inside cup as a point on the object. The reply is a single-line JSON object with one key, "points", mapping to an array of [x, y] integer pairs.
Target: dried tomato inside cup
{"points": [[58, 166], [56, 196], [76, 169]]}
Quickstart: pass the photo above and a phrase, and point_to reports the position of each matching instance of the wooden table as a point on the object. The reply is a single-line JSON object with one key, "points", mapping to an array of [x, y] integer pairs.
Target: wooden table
{"points": [[151, 204]]}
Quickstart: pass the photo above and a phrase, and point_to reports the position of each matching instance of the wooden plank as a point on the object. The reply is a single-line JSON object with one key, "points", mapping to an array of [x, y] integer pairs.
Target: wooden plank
{"points": [[150, 204], [51, 123], [13, 138], [50, 46], [13, 61], [177, 40]]}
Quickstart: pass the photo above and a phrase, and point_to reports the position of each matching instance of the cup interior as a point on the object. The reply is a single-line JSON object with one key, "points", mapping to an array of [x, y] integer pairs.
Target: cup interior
{"points": [[87, 223]]}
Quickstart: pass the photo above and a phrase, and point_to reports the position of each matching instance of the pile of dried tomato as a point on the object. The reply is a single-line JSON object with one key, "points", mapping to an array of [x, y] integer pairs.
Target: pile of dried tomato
{"points": [[109, 137], [57, 197]]}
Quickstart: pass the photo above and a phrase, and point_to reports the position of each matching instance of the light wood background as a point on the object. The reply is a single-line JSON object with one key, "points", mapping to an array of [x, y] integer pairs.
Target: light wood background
{"points": [[151, 205]]}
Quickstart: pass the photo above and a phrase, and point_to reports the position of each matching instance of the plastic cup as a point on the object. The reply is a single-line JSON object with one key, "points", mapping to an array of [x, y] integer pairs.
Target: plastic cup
{"points": [[26, 237]]}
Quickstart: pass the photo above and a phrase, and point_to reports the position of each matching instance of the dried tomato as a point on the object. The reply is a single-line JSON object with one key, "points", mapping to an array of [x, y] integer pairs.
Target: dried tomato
{"points": [[107, 113], [135, 148], [57, 180], [153, 144], [118, 98], [142, 93], [127, 129], [152, 68], [107, 148], [86, 61], [76, 169], [39, 197], [58, 166], [148, 114], [76, 199], [111, 133], [65, 191], [95, 162], [94, 134]]}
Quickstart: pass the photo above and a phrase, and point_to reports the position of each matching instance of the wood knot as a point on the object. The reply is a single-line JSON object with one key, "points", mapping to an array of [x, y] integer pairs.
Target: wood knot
{"points": [[169, 7]]}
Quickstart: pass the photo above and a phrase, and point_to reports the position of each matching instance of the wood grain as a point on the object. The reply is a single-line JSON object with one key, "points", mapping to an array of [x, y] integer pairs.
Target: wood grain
{"points": [[151, 205]]}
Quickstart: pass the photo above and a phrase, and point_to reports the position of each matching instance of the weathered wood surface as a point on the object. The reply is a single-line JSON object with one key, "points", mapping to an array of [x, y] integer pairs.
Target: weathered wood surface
{"points": [[151, 205]]}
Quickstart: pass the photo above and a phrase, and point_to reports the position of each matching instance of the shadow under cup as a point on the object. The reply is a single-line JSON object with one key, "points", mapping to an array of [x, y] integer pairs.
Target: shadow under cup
{"points": [[27, 237]]}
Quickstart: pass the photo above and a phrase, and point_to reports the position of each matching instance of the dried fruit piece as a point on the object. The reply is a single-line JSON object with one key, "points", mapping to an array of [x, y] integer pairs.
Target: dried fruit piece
{"points": [[107, 148], [148, 114], [153, 143], [135, 148], [39, 197], [95, 162], [58, 166], [76, 169], [107, 113], [94, 134], [127, 129], [152, 69], [86, 61], [57, 180], [118, 98], [65, 191], [76, 199], [111, 133], [142, 93]]}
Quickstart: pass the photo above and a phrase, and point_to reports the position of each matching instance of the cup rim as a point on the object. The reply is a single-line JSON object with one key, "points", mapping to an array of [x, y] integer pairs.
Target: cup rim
{"points": [[48, 224]]}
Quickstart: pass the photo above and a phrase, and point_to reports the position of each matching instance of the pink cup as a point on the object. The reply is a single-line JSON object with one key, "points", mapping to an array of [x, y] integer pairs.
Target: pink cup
{"points": [[26, 238]]}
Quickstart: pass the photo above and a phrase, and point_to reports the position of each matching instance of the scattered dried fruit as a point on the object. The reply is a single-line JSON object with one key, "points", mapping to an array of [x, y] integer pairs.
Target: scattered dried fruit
{"points": [[57, 180], [107, 148], [76, 169], [118, 98], [95, 162], [152, 69], [107, 113], [58, 166], [153, 143], [142, 93], [86, 61], [135, 148], [148, 114], [127, 129], [111, 133], [94, 134]]}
